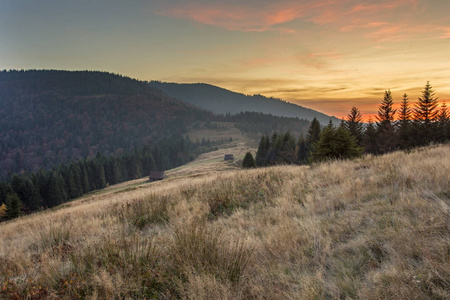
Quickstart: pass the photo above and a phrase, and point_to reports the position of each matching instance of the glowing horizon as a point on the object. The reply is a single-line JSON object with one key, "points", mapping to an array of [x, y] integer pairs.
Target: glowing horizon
{"points": [[328, 55]]}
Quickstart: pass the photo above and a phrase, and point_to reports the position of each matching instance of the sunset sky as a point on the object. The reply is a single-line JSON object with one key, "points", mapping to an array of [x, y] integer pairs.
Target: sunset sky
{"points": [[323, 54]]}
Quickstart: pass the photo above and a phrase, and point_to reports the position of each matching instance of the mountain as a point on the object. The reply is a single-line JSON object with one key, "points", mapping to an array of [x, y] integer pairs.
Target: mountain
{"points": [[222, 101], [49, 117]]}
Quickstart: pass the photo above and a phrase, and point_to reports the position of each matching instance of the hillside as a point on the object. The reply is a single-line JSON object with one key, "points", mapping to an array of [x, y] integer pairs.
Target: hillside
{"points": [[372, 228], [50, 117], [222, 101]]}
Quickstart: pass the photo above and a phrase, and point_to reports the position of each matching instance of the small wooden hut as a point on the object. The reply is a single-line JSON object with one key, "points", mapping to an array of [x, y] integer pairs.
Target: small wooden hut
{"points": [[229, 157], [156, 175]]}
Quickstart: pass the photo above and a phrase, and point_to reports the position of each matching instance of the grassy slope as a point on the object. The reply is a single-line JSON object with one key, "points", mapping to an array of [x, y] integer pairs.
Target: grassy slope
{"points": [[373, 228]]}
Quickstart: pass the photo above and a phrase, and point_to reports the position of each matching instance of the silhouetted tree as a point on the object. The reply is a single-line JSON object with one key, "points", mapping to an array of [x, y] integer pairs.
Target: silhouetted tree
{"points": [[426, 108], [370, 138], [404, 125], [443, 120], [425, 114], [249, 161], [386, 112], [354, 124], [386, 134]]}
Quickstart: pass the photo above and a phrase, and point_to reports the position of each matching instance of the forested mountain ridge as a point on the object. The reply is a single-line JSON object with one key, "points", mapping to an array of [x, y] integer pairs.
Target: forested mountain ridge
{"points": [[222, 101], [49, 117]]}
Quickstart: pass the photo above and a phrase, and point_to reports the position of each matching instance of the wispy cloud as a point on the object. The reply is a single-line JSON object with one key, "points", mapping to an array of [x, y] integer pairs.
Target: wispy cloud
{"points": [[232, 16], [375, 19]]}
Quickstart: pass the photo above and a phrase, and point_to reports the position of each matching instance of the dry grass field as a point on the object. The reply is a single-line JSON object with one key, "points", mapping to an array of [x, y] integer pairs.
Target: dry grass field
{"points": [[372, 228]]}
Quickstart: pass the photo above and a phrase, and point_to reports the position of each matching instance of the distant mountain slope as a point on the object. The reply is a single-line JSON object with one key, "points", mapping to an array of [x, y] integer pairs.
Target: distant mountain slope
{"points": [[222, 101], [49, 117]]}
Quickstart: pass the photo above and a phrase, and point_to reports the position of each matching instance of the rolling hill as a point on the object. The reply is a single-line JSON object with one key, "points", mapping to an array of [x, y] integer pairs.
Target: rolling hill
{"points": [[48, 117], [222, 101], [51, 117], [371, 228]]}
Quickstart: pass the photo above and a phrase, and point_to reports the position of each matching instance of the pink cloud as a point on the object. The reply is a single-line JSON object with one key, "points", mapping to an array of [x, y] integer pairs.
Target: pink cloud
{"points": [[446, 32], [378, 21], [233, 17]]}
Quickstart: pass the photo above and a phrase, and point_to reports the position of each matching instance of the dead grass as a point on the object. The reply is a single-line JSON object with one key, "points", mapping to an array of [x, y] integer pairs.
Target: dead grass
{"points": [[373, 228]]}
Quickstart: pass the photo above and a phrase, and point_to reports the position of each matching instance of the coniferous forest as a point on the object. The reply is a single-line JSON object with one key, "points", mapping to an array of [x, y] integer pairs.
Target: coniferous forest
{"points": [[66, 133], [28, 192], [53, 117], [412, 125]]}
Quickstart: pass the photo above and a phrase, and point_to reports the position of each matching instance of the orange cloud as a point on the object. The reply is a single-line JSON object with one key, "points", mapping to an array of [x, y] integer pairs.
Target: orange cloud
{"points": [[446, 34], [267, 15], [233, 17]]}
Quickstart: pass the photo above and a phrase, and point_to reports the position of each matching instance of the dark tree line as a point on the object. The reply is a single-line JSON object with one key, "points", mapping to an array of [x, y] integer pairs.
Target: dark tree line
{"points": [[420, 125], [409, 126], [319, 144], [255, 122], [29, 192]]}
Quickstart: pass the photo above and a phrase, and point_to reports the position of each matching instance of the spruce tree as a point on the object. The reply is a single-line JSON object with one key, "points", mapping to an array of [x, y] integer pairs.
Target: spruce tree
{"points": [[249, 161], [425, 115], [387, 139], [386, 112], [404, 129], [302, 151], [286, 153], [313, 134], [84, 178], [335, 144], [426, 110], [354, 124], [55, 192], [13, 206], [443, 120], [370, 138], [404, 114], [261, 154]]}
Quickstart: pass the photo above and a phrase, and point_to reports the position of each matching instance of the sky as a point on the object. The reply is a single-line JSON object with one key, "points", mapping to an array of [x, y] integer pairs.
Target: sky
{"points": [[327, 55]]}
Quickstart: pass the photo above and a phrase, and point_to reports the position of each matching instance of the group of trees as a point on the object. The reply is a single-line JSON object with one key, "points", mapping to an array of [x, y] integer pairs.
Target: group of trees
{"points": [[319, 144], [255, 122], [28, 192], [403, 128], [426, 122]]}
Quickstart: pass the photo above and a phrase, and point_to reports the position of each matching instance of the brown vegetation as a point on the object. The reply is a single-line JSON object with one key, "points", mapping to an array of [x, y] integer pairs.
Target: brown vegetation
{"points": [[372, 228]]}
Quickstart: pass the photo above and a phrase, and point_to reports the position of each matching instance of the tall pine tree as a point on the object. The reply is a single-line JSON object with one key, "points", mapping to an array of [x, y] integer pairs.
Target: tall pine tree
{"points": [[425, 115], [313, 134], [443, 120], [404, 125], [426, 110], [386, 111], [263, 149], [354, 124], [387, 139]]}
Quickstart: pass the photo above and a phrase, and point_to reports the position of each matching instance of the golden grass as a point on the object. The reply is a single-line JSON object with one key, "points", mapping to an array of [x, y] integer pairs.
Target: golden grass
{"points": [[373, 228]]}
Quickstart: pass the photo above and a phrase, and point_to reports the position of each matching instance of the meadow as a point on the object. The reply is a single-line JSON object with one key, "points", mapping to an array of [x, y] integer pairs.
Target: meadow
{"points": [[377, 227]]}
